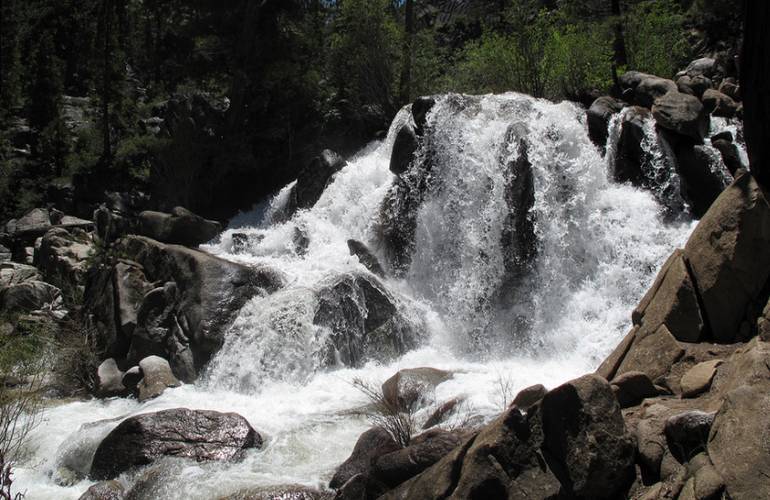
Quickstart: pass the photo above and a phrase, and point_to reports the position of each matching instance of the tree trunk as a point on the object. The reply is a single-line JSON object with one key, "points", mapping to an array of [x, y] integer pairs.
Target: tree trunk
{"points": [[755, 75], [405, 87], [619, 44]]}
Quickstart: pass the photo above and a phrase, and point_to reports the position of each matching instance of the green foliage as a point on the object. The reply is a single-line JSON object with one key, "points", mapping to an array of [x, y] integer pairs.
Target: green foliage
{"points": [[655, 38], [580, 59], [136, 155]]}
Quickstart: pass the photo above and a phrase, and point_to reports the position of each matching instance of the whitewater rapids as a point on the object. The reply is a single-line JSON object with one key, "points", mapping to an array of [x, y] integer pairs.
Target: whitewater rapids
{"points": [[599, 246]]}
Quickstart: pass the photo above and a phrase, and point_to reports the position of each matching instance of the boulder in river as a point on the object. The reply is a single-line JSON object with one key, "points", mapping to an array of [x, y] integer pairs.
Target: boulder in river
{"points": [[200, 435], [683, 114], [599, 115], [180, 227]]}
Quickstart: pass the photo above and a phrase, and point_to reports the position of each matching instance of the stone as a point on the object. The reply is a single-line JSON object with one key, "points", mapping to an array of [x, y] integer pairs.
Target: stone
{"points": [[599, 115], [30, 296], [442, 412], [411, 386], [683, 114], [366, 257], [730, 155], [131, 378], [698, 169], [200, 435], [420, 109], [726, 255], [180, 227], [631, 388], [109, 379], [104, 490], [629, 155], [698, 378], [650, 89], [313, 179], [719, 104], [423, 451], [63, 257], [14, 273], [687, 433], [282, 492], [651, 442], [705, 66], [372, 444], [585, 433], [653, 354], [529, 396], [130, 287], [609, 367], [404, 147], [156, 378], [632, 79]]}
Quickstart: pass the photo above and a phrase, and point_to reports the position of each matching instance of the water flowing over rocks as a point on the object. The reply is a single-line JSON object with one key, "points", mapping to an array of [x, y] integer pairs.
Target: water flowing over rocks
{"points": [[195, 434]]}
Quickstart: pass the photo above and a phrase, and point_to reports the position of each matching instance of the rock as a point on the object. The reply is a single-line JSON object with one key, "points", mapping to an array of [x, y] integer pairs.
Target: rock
{"points": [[698, 378], [313, 179], [629, 154], [186, 318], [372, 444], [180, 227], [726, 255], [105, 490], [529, 396], [674, 303], [599, 115], [366, 257], [360, 487], [14, 273], [730, 88], [411, 386], [683, 114], [300, 241], [701, 184], [584, 432], [420, 109], [705, 483], [651, 88], [364, 319], [5, 253], [631, 388], [652, 354], [441, 413], [423, 451], [733, 442], [131, 378], [30, 296], [156, 377], [730, 155], [687, 433], [196, 434], [63, 257], [719, 104], [631, 79], [651, 442], [404, 147], [34, 223], [109, 379], [704, 66], [287, 492], [240, 242]]}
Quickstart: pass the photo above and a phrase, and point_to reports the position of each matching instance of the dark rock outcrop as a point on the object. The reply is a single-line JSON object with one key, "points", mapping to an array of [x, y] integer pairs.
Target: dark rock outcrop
{"points": [[196, 434], [599, 115], [683, 114], [404, 147], [372, 444], [312, 180], [180, 227], [366, 257]]}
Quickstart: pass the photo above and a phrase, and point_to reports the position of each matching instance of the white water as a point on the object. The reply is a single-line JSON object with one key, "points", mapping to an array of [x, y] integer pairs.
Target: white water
{"points": [[600, 245]]}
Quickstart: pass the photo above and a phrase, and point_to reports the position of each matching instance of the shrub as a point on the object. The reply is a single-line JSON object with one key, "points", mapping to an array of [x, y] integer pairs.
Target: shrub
{"points": [[655, 39], [580, 59]]}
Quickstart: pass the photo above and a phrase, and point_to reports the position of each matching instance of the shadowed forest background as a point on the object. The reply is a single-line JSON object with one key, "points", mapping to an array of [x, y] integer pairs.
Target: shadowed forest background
{"points": [[215, 104]]}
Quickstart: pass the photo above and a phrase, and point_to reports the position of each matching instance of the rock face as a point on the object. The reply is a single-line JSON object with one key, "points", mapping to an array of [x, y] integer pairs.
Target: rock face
{"points": [[683, 114], [364, 320], [180, 227], [630, 155], [63, 257], [196, 434], [599, 115], [156, 377], [313, 179], [404, 147], [172, 302], [651, 88], [372, 444], [406, 388], [366, 257]]}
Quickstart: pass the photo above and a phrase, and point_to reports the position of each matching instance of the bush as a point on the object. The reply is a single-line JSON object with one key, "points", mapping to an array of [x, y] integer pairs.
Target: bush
{"points": [[580, 59], [655, 39]]}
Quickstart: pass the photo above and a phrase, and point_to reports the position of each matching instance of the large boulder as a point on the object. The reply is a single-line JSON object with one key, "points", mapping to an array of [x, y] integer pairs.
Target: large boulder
{"points": [[63, 257], [629, 153], [156, 378], [683, 114], [719, 104], [364, 320], [366, 257], [409, 386], [30, 296], [726, 255], [651, 88], [404, 147], [180, 227], [701, 184], [313, 179], [423, 451], [372, 444], [171, 301], [585, 433], [599, 115], [200, 435]]}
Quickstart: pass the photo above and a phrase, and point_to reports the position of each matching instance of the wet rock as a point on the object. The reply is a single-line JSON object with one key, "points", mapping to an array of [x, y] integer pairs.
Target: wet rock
{"points": [[730, 88], [313, 179], [687, 433], [5, 253], [404, 147], [366, 257], [240, 242], [599, 115], [195, 434], [650, 89], [701, 185], [30, 296], [631, 79], [365, 321], [732, 443], [372, 444], [14, 273], [411, 386], [156, 378], [63, 257], [360, 487], [698, 378], [131, 378], [109, 379], [287, 492], [730, 155], [423, 451], [420, 109], [726, 255], [529, 396], [180, 227], [105, 490], [719, 104], [584, 431], [631, 388], [300, 241], [629, 155], [683, 114], [442, 412]]}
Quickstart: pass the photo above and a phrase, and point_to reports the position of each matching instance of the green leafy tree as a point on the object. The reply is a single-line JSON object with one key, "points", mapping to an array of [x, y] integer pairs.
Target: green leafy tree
{"points": [[655, 38]]}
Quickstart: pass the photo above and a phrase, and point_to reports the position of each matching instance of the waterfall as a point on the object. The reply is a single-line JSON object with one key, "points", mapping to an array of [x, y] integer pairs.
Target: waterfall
{"points": [[525, 263]]}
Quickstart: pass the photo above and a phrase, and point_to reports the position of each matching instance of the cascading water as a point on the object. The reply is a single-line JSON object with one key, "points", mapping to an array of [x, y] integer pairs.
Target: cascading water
{"points": [[461, 305]]}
